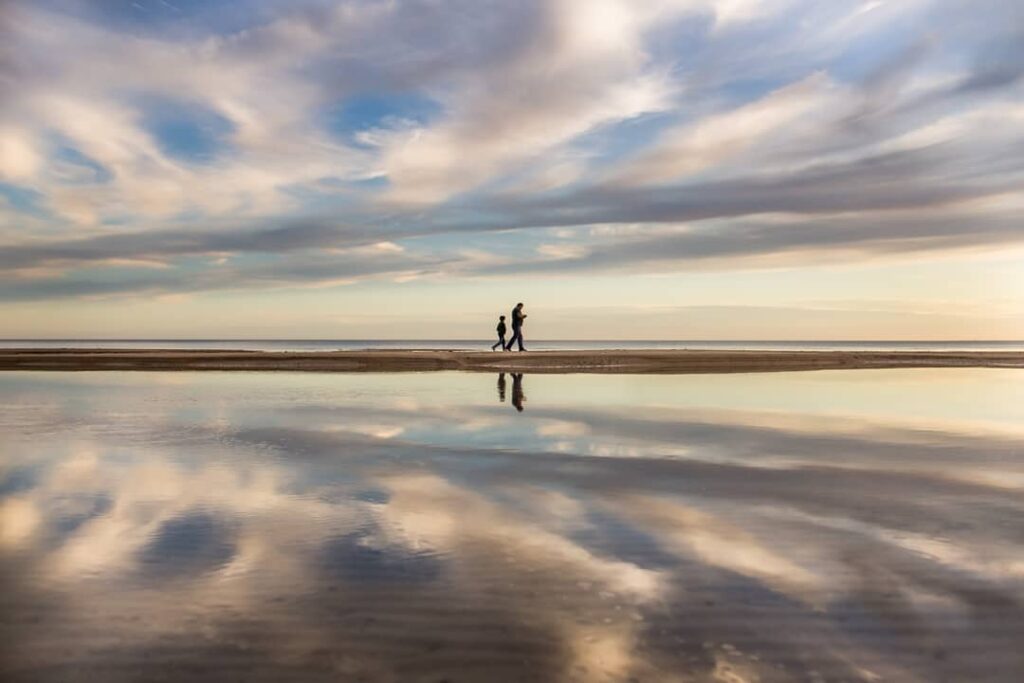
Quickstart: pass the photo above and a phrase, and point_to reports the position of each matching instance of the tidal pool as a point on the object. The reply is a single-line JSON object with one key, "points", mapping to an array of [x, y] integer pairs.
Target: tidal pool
{"points": [[816, 526]]}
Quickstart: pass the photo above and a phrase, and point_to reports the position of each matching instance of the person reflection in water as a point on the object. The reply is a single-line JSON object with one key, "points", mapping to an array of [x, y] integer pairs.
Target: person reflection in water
{"points": [[517, 391]]}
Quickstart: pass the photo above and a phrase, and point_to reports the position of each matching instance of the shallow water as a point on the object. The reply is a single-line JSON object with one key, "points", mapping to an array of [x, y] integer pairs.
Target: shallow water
{"points": [[851, 525]]}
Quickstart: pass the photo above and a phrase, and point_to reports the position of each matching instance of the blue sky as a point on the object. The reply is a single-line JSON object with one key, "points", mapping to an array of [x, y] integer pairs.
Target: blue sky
{"points": [[629, 168]]}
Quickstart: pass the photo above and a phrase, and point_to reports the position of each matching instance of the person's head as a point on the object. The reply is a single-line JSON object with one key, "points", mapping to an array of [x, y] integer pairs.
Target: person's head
{"points": [[519, 305], [501, 317]]}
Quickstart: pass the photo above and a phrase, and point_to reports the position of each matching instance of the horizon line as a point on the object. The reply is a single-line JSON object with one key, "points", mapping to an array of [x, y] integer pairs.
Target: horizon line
{"points": [[482, 339]]}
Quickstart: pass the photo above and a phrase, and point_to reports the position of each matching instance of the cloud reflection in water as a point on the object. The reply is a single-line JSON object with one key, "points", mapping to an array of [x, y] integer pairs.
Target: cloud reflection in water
{"points": [[279, 527]]}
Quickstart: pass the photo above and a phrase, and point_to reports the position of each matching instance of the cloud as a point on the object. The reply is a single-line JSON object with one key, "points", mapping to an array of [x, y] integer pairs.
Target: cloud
{"points": [[574, 71], [18, 156], [715, 139], [722, 131], [780, 240], [336, 267]]}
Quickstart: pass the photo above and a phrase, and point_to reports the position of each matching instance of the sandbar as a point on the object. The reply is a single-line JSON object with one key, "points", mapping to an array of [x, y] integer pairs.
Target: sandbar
{"points": [[590, 361]]}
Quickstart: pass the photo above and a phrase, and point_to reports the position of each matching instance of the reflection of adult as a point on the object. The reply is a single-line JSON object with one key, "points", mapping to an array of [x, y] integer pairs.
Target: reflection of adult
{"points": [[501, 387], [517, 391], [517, 327]]}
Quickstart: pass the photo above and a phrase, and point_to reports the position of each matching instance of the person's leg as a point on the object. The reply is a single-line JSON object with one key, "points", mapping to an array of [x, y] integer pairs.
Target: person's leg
{"points": [[515, 336], [501, 342], [519, 335]]}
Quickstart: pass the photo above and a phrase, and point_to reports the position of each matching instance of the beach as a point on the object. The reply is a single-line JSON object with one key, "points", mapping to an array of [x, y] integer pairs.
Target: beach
{"points": [[411, 360], [560, 341]]}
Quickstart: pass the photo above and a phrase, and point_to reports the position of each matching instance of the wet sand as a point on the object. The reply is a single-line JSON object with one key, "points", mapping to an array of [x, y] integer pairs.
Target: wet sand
{"points": [[610, 361]]}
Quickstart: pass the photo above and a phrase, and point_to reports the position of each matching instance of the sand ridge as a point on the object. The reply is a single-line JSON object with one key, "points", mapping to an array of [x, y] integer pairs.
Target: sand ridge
{"points": [[604, 361]]}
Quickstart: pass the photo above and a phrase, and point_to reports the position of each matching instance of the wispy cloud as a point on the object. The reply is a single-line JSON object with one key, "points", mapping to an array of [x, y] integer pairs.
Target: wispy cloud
{"points": [[262, 145]]}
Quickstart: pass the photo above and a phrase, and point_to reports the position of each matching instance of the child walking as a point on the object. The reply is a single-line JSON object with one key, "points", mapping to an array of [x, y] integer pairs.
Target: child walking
{"points": [[501, 334]]}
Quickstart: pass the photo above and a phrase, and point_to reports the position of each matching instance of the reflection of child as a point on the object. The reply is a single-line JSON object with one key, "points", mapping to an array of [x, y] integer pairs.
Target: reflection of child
{"points": [[501, 334]]}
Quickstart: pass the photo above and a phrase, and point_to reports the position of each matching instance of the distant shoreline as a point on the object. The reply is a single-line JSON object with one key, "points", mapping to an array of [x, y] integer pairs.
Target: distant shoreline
{"points": [[610, 361]]}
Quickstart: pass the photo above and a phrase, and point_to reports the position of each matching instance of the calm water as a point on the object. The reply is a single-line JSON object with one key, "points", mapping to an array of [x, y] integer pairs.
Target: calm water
{"points": [[485, 344], [821, 526]]}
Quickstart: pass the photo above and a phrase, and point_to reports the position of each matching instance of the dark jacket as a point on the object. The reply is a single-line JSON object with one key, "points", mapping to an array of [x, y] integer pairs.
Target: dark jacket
{"points": [[501, 328]]}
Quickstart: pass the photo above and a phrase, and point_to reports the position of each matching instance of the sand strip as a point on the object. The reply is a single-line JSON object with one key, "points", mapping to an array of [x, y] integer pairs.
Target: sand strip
{"points": [[611, 361]]}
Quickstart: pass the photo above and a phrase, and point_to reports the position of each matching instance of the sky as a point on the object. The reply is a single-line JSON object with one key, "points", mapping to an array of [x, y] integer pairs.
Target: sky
{"points": [[629, 169]]}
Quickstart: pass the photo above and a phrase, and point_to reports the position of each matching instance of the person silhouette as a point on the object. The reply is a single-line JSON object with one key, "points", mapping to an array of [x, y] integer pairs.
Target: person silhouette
{"points": [[501, 334], [517, 391], [517, 327], [501, 387]]}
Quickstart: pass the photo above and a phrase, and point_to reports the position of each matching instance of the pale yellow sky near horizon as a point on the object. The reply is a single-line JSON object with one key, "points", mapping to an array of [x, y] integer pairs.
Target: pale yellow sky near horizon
{"points": [[953, 295]]}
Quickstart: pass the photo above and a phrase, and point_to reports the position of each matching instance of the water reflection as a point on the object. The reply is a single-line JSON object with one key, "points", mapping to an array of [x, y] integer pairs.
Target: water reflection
{"points": [[517, 390], [277, 527]]}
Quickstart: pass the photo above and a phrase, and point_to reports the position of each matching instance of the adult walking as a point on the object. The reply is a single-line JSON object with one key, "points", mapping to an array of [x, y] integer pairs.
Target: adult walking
{"points": [[517, 327]]}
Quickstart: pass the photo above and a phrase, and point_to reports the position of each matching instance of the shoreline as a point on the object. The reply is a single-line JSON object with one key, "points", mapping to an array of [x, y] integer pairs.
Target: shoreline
{"points": [[554, 362]]}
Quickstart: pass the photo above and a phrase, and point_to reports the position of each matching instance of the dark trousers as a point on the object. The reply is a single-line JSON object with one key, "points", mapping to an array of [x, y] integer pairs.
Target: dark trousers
{"points": [[517, 336], [501, 342]]}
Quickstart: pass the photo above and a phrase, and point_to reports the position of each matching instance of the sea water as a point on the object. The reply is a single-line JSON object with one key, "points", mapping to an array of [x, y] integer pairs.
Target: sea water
{"points": [[837, 525]]}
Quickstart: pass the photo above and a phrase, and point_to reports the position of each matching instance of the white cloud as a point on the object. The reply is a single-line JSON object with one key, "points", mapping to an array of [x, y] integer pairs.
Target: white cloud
{"points": [[720, 137], [582, 68], [681, 119], [19, 159]]}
